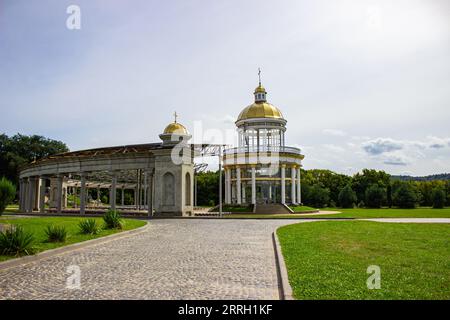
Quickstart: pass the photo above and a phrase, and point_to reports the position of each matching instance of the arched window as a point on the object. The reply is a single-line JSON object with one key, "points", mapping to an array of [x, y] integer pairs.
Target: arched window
{"points": [[168, 189], [188, 189]]}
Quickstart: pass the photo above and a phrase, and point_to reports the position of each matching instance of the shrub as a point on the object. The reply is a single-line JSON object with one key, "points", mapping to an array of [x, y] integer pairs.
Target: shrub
{"points": [[438, 197], [15, 241], [7, 193], [113, 220], [56, 233], [318, 197], [88, 226], [375, 196], [347, 197], [405, 197]]}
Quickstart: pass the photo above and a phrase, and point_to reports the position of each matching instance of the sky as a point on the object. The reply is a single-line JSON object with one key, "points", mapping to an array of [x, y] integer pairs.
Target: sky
{"points": [[361, 83]]}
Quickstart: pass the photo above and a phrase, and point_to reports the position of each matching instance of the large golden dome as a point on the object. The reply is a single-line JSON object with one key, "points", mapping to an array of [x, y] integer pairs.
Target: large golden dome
{"points": [[176, 128], [260, 110]]}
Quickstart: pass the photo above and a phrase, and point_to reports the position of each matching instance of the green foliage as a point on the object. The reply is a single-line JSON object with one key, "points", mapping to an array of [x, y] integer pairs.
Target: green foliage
{"points": [[368, 177], [112, 220], [317, 196], [56, 233], [208, 188], [347, 197], [88, 226], [20, 149], [15, 241], [328, 179], [375, 195], [438, 197], [7, 193], [404, 196]]}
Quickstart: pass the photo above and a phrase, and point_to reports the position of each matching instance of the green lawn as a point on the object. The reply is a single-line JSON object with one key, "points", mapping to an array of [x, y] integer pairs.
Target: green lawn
{"points": [[302, 208], [329, 259], [38, 225], [360, 213], [13, 208]]}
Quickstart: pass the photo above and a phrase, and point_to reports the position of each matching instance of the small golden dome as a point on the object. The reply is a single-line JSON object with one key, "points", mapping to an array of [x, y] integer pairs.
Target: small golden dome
{"points": [[176, 128], [260, 89], [260, 110]]}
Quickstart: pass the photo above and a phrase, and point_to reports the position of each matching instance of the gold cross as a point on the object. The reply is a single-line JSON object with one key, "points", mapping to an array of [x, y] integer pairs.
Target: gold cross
{"points": [[175, 115], [259, 75]]}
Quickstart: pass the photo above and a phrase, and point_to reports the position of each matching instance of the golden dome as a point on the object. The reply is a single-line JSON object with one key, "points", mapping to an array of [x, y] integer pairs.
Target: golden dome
{"points": [[260, 110], [176, 128], [260, 89]]}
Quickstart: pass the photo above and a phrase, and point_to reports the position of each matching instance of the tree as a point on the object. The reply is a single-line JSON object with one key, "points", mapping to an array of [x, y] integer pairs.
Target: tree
{"points": [[20, 149], [375, 195], [362, 181], [438, 198], [347, 197], [7, 193], [208, 188], [405, 197], [328, 179], [317, 196]]}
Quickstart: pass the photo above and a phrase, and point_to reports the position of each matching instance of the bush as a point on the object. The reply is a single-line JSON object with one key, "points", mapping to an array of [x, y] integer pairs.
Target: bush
{"points": [[7, 193], [88, 226], [438, 197], [405, 197], [375, 196], [113, 220], [318, 197], [15, 241], [55, 233], [347, 197]]}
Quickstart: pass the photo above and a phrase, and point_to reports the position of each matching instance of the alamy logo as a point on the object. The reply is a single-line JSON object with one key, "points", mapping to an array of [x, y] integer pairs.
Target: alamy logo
{"points": [[374, 280], [73, 21], [74, 279]]}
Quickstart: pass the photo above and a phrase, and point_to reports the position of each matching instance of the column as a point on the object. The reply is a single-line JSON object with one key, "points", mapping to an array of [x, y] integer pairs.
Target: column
{"points": [[59, 184], [238, 185], [37, 189], [145, 188], [253, 185], [123, 196], [229, 185], [283, 184], [293, 185], [42, 195], [299, 190], [270, 193], [31, 193], [112, 200], [225, 170], [243, 192], [150, 195], [135, 197], [21, 189], [83, 193]]}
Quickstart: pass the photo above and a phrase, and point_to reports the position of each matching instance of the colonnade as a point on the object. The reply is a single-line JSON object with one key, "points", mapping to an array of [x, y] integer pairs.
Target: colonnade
{"points": [[32, 192], [235, 187]]}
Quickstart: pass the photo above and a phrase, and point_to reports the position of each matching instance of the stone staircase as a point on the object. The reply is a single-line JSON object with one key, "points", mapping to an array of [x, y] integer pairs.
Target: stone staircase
{"points": [[271, 208]]}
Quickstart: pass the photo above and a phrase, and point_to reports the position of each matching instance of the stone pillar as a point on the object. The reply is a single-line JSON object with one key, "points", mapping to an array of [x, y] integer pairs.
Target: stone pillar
{"points": [[150, 194], [293, 185], [145, 189], [283, 184], [270, 193], [299, 190], [229, 185], [112, 200], [83, 193], [253, 185], [21, 195], [42, 195], [238, 185], [123, 196], [59, 185], [243, 193], [225, 170], [31, 193], [37, 189]]}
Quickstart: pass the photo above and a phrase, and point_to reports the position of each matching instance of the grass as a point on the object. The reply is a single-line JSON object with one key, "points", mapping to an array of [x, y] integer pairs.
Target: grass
{"points": [[358, 213], [13, 208], [329, 259], [38, 226], [302, 208]]}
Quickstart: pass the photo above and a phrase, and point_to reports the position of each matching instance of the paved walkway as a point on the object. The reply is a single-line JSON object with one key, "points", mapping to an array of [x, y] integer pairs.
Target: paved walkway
{"points": [[172, 259], [411, 220]]}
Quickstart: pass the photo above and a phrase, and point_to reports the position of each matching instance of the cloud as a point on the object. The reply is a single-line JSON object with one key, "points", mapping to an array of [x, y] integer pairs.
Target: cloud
{"points": [[395, 160], [382, 145], [334, 132]]}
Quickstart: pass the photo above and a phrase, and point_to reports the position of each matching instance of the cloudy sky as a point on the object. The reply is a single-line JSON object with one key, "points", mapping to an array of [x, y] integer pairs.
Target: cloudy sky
{"points": [[362, 83]]}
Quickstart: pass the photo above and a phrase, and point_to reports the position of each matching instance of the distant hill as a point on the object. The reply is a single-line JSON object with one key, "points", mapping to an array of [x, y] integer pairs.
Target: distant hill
{"points": [[441, 176]]}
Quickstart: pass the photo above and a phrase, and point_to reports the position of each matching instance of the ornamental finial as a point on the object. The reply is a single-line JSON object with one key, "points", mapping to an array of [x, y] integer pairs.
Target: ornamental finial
{"points": [[259, 76], [175, 115]]}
